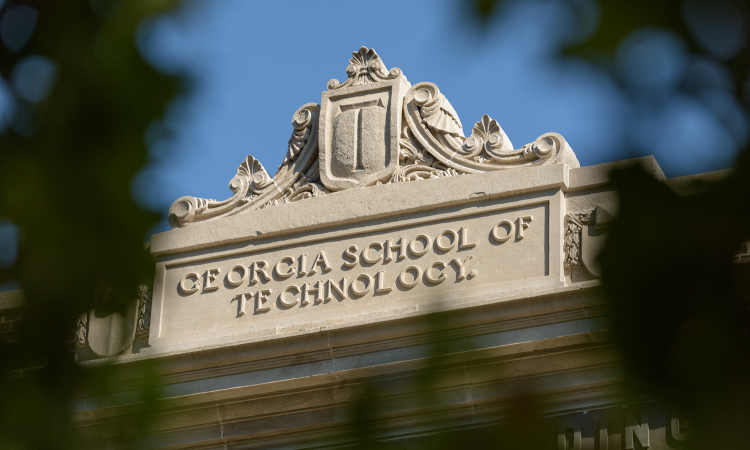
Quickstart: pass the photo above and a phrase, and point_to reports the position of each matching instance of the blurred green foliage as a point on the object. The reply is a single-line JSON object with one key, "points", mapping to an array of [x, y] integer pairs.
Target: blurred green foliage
{"points": [[83, 100], [77, 139], [680, 305]]}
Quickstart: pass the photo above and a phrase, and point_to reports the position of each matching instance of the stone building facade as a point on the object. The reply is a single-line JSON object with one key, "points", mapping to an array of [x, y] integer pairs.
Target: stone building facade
{"points": [[392, 263]]}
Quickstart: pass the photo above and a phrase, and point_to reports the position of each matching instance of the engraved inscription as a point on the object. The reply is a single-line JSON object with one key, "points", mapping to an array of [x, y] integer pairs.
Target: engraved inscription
{"points": [[340, 278], [360, 284]]}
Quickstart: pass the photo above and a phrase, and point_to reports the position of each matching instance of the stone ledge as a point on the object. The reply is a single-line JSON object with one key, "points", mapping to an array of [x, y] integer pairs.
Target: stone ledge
{"points": [[562, 380], [11, 299], [305, 359], [596, 176], [510, 299]]}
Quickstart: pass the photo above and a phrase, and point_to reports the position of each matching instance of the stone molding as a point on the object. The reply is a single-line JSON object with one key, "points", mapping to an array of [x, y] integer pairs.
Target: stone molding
{"points": [[556, 343], [349, 205]]}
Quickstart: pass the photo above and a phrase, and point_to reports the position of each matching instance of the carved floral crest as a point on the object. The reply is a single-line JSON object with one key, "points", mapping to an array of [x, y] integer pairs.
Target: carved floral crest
{"points": [[423, 140], [365, 67]]}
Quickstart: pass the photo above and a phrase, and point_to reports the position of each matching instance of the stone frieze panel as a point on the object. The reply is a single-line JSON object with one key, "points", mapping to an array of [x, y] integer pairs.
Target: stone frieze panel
{"points": [[354, 274]]}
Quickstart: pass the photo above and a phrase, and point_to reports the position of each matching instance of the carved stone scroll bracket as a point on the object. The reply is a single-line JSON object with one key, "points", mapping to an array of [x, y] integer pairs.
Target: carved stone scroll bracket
{"points": [[143, 322], [365, 67], [574, 223], [302, 123], [252, 186], [436, 127], [81, 330]]}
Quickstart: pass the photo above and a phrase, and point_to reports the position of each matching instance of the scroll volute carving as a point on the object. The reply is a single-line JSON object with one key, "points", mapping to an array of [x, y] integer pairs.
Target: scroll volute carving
{"points": [[437, 128], [253, 187]]}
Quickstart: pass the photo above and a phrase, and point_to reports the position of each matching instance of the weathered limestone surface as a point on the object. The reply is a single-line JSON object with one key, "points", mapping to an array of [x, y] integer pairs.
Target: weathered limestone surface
{"points": [[386, 235]]}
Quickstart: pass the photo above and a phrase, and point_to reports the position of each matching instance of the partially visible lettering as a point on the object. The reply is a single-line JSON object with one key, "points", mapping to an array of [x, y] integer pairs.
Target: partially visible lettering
{"points": [[366, 281], [261, 300], [211, 275], [192, 289], [284, 300], [321, 261], [366, 253], [435, 279], [403, 278], [289, 272], [238, 268], [258, 271], [563, 443], [639, 430]]}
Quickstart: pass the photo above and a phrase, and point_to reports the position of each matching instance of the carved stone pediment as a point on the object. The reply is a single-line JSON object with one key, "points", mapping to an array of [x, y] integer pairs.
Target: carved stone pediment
{"points": [[372, 128]]}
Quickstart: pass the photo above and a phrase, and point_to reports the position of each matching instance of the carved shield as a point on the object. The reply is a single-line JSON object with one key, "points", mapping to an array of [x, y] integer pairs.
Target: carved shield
{"points": [[358, 133], [592, 243], [112, 332], [593, 238]]}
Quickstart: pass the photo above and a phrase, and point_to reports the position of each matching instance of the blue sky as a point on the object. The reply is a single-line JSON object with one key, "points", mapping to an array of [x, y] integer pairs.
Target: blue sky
{"points": [[252, 64]]}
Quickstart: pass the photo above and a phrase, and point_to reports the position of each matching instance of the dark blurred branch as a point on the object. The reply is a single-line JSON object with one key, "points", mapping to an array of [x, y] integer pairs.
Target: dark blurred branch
{"points": [[680, 304], [66, 166]]}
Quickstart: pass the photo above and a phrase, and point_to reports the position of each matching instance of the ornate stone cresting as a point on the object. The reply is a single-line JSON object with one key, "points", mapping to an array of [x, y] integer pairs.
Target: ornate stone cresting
{"points": [[437, 128], [373, 128], [253, 187], [365, 67], [574, 223], [303, 124]]}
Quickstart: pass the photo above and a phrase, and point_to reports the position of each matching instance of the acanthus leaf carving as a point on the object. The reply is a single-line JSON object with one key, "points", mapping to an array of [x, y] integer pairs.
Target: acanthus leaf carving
{"points": [[574, 223], [364, 67], [252, 172], [417, 172], [143, 322], [81, 333], [410, 151]]}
